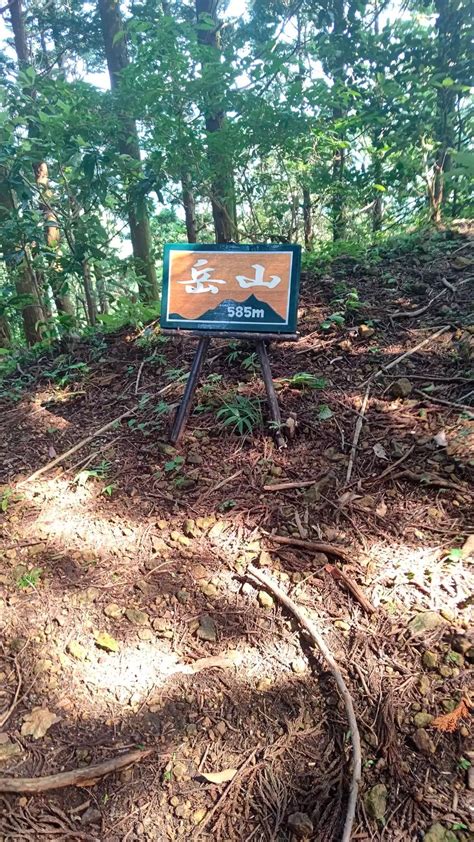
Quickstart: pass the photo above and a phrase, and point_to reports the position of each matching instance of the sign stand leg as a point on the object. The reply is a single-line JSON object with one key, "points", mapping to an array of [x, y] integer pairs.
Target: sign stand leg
{"points": [[271, 394], [184, 408]]}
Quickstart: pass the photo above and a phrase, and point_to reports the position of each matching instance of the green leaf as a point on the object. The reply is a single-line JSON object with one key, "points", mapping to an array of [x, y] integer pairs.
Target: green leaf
{"points": [[380, 188], [325, 412]]}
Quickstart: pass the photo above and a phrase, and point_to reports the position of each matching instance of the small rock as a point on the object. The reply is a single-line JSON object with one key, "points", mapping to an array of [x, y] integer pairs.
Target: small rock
{"points": [[423, 741], [365, 331], [437, 833], [430, 660], [105, 641], [445, 671], [113, 611], [424, 685], [342, 625], [179, 770], [194, 458], [468, 547], [145, 634], [425, 621], [208, 589], [8, 750], [470, 778], [298, 666], [221, 728], [320, 558], [301, 825], [182, 811], [247, 589], [461, 644], [136, 617], [422, 719], [401, 388], [207, 629], [162, 627], [376, 801], [469, 654], [76, 650], [265, 600], [91, 816], [264, 684], [183, 596], [455, 658]]}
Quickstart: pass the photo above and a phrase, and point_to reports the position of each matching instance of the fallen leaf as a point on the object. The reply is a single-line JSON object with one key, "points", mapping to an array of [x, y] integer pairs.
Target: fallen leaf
{"points": [[38, 722], [219, 777], [51, 452], [105, 641], [380, 451], [451, 721], [440, 439], [348, 497]]}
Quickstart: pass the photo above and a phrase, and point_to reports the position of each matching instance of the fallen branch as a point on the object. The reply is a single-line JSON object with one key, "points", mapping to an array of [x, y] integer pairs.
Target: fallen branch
{"points": [[6, 715], [351, 586], [82, 443], [428, 479], [408, 353], [395, 465], [85, 776], [464, 406], [285, 486], [317, 638], [357, 432], [137, 382], [410, 314], [312, 546]]}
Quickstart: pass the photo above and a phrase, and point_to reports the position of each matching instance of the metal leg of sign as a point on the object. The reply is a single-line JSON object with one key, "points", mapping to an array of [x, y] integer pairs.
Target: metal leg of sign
{"points": [[271, 394], [184, 408]]}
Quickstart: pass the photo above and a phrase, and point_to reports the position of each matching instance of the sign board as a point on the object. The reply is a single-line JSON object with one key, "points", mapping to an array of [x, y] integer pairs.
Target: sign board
{"points": [[231, 287]]}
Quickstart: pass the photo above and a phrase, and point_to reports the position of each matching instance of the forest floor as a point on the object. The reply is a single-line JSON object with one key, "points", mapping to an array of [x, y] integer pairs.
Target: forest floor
{"points": [[123, 567]]}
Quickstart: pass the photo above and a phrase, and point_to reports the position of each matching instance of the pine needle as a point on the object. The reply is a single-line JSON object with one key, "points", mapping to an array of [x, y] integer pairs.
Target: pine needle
{"points": [[449, 722]]}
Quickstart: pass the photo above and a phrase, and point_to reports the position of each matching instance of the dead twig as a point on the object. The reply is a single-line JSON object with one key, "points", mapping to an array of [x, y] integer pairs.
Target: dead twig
{"points": [[312, 546], [406, 354], [85, 776], [395, 465], [430, 398], [317, 638], [285, 486], [82, 443], [223, 796], [137, 382], [410, 314], [6, 716], [357, 431], [353, 587]]}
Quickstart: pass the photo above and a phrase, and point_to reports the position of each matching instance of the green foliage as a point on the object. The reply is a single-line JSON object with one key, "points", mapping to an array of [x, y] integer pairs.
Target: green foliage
{"points": [[305, 380], [8, 496], [325, 412], [240, 414], [30, 579]]}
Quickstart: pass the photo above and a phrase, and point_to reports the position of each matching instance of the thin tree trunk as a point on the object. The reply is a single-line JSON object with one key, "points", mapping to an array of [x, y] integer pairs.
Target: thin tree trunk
{"points": [[377, 208], [19, 267], [307, 219], [339, 158], [5, 333], [220, 162], [89, 293], [101, 290], [448, 29], [116, 53], [189, 206]]}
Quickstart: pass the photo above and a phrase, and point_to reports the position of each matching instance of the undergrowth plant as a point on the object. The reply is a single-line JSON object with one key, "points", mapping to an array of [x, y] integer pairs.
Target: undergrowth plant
{"points": [[240, 414]]}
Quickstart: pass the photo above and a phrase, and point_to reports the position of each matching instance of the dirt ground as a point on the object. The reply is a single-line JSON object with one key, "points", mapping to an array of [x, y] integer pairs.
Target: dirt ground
{"points": [[127, 620]]}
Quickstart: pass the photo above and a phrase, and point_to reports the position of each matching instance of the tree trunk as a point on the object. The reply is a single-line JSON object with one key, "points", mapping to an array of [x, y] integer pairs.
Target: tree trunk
{"points": [[189, 206], [19, 268], [220, 163], [62, 300], [101, 290], [117, 59], [5, 333], [307, 219], [337, 68], [19, 33], [448, 42], [89, 293], [377, 208]]}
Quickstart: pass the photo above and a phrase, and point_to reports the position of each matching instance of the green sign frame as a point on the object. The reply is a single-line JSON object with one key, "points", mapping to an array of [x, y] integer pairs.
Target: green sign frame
{"points": [[248, 313]]}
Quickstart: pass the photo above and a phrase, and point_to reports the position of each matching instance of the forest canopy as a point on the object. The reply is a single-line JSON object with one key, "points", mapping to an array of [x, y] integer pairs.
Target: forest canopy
{"points": [[333, 124]]}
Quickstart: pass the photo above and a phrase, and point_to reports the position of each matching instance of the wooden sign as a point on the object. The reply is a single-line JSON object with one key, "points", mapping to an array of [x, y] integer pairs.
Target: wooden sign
{"points": [[231, 287]]}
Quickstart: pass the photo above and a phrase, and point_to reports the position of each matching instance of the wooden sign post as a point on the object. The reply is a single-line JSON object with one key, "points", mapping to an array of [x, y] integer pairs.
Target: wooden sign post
{"points": [[230, 291]]}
